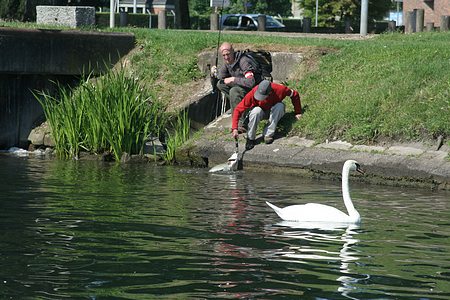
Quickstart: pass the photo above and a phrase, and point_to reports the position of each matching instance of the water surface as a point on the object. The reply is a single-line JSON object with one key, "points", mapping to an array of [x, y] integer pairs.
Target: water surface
{"points": [[87, 230]]}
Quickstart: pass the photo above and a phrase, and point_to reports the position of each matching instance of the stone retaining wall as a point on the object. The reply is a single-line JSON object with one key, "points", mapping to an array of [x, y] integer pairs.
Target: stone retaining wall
{"points": [[31, 59]]}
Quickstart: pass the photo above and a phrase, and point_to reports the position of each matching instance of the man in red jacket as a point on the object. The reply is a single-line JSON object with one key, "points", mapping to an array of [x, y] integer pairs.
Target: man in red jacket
{"points": [[265, 102]]}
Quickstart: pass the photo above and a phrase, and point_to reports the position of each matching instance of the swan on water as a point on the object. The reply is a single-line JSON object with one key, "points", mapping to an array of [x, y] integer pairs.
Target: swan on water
{"points": [[315, 212]]}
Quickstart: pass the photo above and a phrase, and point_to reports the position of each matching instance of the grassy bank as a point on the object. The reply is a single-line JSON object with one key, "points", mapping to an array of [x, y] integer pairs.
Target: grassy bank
{"points": [[390, 87], [393, 86]]}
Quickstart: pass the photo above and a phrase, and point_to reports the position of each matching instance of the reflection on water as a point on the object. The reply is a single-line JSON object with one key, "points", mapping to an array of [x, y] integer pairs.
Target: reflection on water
{"points": [[92, 230], [326, 243]]}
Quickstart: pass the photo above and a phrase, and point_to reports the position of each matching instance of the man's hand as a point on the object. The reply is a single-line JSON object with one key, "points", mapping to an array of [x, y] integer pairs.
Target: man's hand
{"points": [[213, 71], [228, 80], [235, 133], [298, 116]]}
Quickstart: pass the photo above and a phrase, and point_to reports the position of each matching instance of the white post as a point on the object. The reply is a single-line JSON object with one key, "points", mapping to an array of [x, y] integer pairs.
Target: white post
{"points": [[111, 13], [317, 11], [398, 12], [364, 13], [135, 6]]}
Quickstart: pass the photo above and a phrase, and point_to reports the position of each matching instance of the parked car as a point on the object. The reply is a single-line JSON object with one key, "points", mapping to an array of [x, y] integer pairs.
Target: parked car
{"points": [[248, 22]]}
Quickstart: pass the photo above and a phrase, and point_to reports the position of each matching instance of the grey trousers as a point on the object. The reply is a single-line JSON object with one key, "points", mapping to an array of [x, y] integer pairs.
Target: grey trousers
{"points": [[234, 94], [257, 114]]}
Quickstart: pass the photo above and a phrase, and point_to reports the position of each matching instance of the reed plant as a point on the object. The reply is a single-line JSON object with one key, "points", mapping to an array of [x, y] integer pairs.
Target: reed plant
{"points": [[177, 136], [113, 113], [65, 116]]}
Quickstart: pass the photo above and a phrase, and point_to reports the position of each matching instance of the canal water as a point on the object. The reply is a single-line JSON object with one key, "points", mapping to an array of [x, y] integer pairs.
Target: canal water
{"points": [[88, 230]]}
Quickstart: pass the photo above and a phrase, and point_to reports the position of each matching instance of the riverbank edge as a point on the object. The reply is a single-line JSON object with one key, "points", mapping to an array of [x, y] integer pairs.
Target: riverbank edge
{"points": [[396, 164]]}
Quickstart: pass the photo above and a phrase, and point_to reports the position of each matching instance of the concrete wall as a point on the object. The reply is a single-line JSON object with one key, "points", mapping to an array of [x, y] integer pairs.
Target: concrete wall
{"points": [[19, 110], [31, 59], [58, 52], [283, 63]]}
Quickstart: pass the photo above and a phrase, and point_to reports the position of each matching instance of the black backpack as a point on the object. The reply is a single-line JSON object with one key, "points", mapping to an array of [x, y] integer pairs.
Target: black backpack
{"points": [[263, 62]]}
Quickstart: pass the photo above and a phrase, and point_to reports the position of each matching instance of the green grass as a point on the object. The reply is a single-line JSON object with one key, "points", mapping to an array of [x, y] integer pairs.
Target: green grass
{"points": [[395, 86], [392, 86]]}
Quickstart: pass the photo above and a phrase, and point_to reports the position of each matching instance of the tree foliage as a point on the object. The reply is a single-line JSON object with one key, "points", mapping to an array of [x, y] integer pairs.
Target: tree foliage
{"points": [[268, 7], [273, 7], [199, 7], [336, 10], [13, 9]]}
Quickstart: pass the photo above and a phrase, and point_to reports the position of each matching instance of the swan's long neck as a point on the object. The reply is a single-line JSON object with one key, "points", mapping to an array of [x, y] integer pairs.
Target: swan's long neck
{"points": [[346, 193]]}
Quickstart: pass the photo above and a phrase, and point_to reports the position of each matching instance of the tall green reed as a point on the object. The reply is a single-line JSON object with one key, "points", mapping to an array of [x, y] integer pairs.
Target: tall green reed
{"points": [[65, 116], [112, 113], [177, 136]]}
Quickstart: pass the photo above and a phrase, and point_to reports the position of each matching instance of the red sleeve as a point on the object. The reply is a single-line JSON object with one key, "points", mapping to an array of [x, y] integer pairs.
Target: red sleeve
{"points": [[295, 98], [283, 91]]}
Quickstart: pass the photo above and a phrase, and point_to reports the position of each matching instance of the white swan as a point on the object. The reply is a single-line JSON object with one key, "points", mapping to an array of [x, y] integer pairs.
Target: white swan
{"points": [[314, 212]]}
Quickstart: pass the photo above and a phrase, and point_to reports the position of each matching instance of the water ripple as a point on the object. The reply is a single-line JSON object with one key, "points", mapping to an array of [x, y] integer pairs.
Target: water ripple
{"points": [[76, 231]]}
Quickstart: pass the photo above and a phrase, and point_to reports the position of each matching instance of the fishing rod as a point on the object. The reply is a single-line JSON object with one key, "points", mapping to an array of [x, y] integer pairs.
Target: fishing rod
{"points": [[214, 78], [239, 158]]}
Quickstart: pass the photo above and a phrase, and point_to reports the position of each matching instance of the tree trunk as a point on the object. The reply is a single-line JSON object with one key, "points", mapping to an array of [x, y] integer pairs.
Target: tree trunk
{"points": [[182, 20]]}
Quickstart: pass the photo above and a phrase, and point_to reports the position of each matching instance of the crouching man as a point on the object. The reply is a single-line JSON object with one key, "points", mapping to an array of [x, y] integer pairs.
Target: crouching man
{"points": [[264, 102]]}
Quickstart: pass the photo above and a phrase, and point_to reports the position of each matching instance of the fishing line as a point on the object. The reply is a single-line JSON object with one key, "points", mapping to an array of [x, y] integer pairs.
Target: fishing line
{"points": [[217, 60]]}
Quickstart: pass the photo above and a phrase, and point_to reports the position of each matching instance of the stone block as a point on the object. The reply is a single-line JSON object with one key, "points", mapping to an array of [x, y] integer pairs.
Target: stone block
{"points": [[284, 65], [365, 148], [71, 16], [401, 150], [337, 145], [297, 141]]}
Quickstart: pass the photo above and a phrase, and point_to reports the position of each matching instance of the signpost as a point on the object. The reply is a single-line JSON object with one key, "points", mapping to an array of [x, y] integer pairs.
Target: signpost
{"points": [[219, 3]]}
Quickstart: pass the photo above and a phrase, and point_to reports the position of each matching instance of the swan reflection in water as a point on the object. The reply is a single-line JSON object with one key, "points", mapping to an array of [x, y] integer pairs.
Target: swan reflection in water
{"points": [[321, 241]]}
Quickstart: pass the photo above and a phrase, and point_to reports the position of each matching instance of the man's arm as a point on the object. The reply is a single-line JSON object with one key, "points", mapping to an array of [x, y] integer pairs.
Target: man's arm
{"points": [[245, 104], [223, 72], [248, 72], [293, 94], [295, 98]]}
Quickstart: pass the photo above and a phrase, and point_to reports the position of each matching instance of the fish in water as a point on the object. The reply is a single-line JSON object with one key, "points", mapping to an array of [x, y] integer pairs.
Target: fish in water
{"points": [[230, 165]]}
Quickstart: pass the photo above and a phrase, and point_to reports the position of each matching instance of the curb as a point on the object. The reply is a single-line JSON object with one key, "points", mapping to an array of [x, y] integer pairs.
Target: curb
{"points": [[413, 164]]}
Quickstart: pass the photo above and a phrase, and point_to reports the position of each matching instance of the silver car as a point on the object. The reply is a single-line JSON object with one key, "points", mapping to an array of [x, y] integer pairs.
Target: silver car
{"points": [[248, 22]]}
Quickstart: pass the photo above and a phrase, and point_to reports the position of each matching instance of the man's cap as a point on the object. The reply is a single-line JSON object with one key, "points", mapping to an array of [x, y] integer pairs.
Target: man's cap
{"points": [[263, 90]]}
